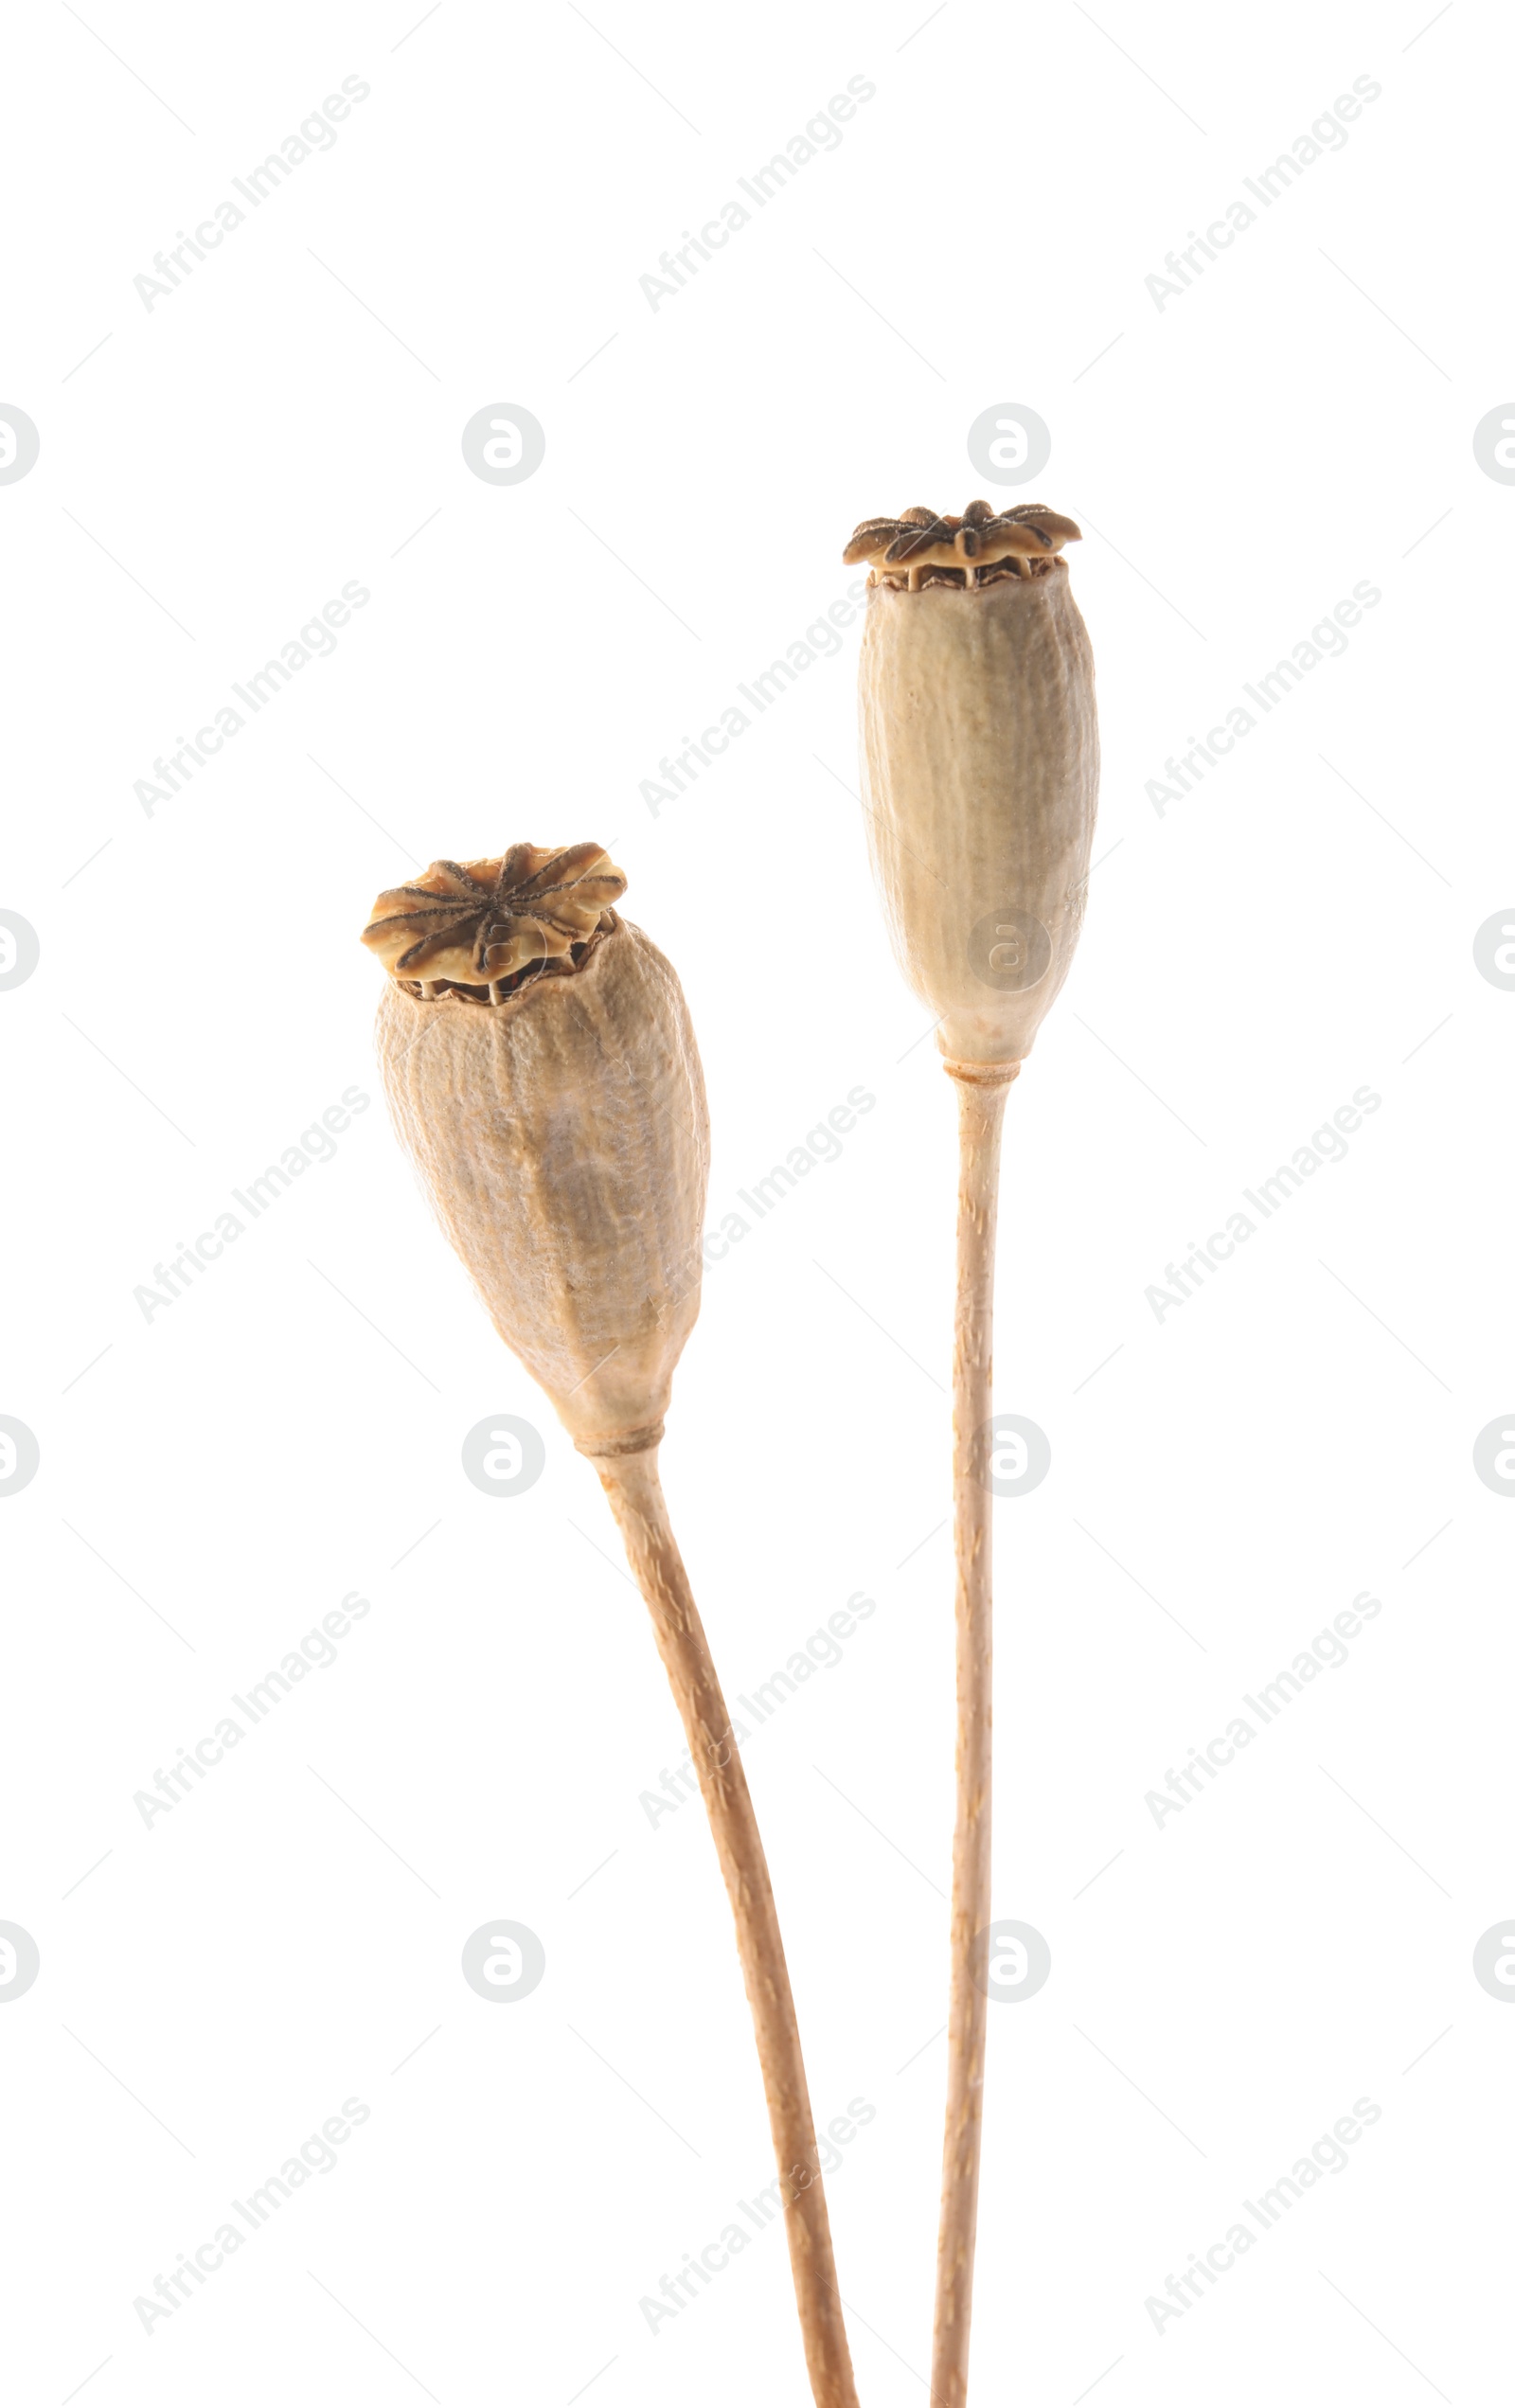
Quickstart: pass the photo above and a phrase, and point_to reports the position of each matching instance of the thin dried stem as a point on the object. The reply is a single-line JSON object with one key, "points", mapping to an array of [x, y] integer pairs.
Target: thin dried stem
{"points": [[980, 1113], [636, 1499]]}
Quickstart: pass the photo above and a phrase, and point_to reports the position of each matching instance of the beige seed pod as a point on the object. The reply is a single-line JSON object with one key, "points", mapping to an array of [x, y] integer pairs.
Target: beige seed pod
{"points": [[980, 754], [542, 1076], [980, 763], [562, 1139]]}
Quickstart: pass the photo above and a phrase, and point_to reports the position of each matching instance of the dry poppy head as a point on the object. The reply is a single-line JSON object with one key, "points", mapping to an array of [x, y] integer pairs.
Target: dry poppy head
{"points": [[984, 545], [484, 929]]}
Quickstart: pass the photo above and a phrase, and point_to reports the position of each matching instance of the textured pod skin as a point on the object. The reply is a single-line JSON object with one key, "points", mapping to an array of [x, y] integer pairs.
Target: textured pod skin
{"points": [[980, 754], [562, 1140]]}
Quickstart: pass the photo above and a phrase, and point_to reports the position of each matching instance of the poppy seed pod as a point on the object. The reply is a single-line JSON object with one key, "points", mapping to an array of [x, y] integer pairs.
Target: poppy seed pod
{"points": [[559, 1130], [980, 756]]}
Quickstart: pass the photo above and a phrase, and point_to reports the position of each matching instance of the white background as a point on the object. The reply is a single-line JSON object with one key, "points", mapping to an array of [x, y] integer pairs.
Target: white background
{"points": [[1224, 1481]]}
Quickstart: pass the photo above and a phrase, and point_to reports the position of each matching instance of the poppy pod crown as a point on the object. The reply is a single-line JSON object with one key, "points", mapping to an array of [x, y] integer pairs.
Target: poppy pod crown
{"points": [[923, 547], [980, 756], [463, 927]]}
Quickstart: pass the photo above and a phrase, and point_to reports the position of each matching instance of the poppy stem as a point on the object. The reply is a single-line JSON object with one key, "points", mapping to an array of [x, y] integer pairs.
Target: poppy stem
{"points": [[636, 1493], [981, 1093]]}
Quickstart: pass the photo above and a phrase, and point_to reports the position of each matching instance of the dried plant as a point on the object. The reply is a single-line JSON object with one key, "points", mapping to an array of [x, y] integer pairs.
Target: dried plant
{"points": [[542, 1076], [980, 763]]}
